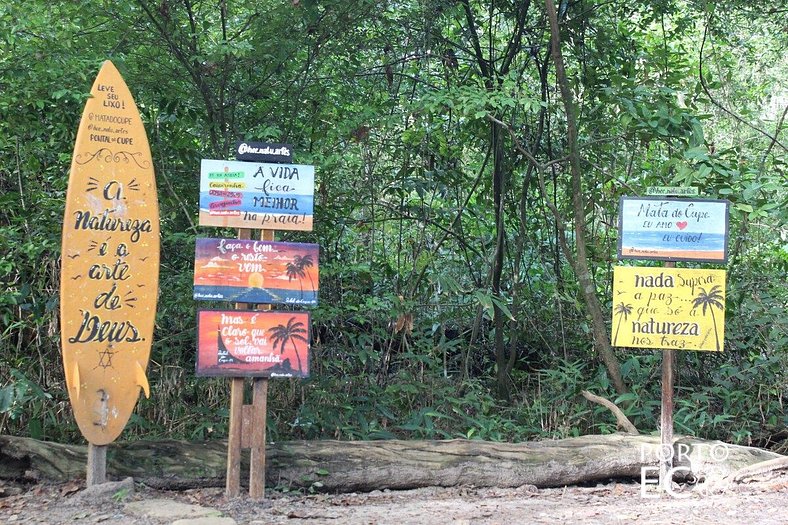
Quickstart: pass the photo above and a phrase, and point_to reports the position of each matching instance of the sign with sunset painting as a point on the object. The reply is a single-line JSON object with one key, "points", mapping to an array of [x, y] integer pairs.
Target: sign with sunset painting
{"points": [[248, 271], [661, 229], [248, 343]]}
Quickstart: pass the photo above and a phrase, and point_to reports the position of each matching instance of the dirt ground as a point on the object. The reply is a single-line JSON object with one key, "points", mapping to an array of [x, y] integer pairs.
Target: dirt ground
{"points": [[611, 503]]}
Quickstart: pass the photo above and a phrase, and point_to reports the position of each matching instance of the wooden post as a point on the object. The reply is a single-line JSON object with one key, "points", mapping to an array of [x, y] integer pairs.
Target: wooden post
{"points": [[666, 416], [97, 464], [234, 439], [257, 459], [233, 481], [259, 415], [251, 434]]}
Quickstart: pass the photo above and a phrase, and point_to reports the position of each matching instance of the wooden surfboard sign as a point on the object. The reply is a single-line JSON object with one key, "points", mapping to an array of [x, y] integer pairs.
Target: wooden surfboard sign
{"points": [[110, 261]]}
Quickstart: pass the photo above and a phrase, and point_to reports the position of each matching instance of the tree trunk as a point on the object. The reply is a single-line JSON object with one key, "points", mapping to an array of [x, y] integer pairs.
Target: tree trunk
{"points": [[350, 466], [502, 361], [581, 267]]}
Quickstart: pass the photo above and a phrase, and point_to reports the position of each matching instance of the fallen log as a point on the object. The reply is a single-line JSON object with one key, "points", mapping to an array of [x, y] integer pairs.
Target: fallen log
{"points": [[764, 469], [358, 466]]}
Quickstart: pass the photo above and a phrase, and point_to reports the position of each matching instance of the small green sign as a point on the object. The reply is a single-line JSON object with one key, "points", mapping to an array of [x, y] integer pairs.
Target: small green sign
{"points": [[680, 191]]}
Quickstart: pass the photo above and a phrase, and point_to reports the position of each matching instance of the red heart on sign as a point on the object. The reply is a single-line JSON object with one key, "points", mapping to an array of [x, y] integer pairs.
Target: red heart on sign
{"points": [[681, 225]]}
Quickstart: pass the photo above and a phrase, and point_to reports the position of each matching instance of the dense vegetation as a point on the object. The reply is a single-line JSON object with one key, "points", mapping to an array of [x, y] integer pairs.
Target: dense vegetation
{"points": [[466, 202]]}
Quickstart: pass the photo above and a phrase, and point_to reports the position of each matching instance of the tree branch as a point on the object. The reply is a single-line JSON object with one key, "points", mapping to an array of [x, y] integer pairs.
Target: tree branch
{"points": [[622, 420]]}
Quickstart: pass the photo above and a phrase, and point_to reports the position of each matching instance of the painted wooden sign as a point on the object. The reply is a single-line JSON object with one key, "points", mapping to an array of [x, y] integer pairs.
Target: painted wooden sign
{"points": [[256, 195], [263, 152], [248, 343], [673, 308], [248, 271], [663, 229], [110, 261]]}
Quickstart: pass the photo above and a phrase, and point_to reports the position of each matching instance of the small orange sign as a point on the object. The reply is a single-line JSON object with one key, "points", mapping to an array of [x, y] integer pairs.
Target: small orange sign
{"points": [[110, 261]]}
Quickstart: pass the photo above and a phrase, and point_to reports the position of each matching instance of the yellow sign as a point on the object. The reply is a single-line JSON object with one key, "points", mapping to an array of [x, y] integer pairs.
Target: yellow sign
{"points": [[671, 308], [110, 265]]}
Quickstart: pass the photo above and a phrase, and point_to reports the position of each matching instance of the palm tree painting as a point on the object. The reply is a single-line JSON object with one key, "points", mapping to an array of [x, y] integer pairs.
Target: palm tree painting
{"points": [[711, 300], [294, 271], [622, 311], [294, 331], [304, 263]]}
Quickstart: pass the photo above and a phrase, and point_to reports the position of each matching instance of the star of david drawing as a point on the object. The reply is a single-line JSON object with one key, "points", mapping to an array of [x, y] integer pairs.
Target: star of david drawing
{"points": [[105, 358]]}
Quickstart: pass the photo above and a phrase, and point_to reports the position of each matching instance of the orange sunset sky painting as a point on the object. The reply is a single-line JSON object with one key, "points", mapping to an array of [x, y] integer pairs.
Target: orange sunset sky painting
{"points": [[263, 267], [264, 351]]}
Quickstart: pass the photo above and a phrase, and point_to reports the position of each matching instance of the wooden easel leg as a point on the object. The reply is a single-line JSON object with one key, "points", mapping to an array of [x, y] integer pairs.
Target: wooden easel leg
{"points": [[97, 464], [257, 462], [234, 440]]}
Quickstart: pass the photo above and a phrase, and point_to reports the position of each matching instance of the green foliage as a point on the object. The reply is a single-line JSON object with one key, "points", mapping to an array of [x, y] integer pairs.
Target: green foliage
{"points": [[394, 105]]}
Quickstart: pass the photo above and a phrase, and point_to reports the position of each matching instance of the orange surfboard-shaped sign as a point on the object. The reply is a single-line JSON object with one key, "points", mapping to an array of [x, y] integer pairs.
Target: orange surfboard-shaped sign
{"points": [[110, 261]]}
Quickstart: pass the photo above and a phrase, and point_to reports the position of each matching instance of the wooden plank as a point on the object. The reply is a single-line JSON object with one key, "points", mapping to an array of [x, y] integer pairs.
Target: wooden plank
{"points": [[259, 413], [239, 194], [249, 271], [668, 229], [660, 308], [235, 433], [257, 461], [246, 426], [249, 343], [233, 484], [666, 417]]}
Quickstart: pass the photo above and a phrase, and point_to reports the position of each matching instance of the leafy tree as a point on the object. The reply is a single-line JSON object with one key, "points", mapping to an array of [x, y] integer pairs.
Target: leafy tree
{"points": [[466, 188]]}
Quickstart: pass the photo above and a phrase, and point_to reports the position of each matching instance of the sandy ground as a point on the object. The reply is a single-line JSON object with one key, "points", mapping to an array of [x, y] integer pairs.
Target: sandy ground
{"points": [[609, 504]]}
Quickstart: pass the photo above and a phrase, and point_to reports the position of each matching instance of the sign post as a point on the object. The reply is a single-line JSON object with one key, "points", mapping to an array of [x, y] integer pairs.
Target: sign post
{"points": [[666, 413], [235, 430], [671, 309], [258, 408], [249, 343], [662, 229], [256, 195], [247, 271]]}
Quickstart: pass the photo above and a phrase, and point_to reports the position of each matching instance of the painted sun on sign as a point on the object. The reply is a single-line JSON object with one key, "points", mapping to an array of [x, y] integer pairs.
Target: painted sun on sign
{"points": [[673, 308]]}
